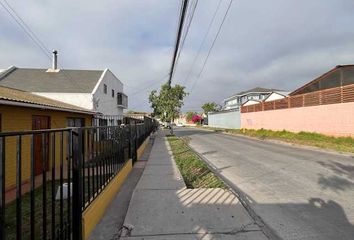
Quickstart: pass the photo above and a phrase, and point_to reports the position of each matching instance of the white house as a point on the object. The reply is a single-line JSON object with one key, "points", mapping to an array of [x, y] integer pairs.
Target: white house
{"points": [[276, 96], [257, 94], [251, 102], [95, 90]]}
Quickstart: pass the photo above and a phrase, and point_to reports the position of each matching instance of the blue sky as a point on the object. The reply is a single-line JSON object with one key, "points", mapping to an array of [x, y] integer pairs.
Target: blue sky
{"points": [[275, 43]]}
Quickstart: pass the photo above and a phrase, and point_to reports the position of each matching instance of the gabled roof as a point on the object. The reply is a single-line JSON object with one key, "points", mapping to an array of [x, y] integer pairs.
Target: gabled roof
{"points": [[254, 90], [284, 94], [250, 101], [9, 96], [39, 80], [257, 90]]}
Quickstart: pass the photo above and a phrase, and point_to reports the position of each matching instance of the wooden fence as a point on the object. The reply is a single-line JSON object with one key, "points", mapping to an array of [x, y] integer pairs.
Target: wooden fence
{"points": [[328, 96]]}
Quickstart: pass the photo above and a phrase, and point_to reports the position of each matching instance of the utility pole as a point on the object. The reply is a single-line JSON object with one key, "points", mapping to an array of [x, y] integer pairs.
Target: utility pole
{"points": [[178, 39]]}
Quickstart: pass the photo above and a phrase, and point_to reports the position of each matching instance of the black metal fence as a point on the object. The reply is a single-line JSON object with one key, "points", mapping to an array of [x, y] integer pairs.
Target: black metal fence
{"points": [[49, 177], [117, 120], [108, 120]]}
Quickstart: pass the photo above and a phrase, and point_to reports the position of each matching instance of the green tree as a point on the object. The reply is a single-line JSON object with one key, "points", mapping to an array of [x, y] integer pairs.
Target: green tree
{"points": [[168, 101], [210, 107], [189, 116]]}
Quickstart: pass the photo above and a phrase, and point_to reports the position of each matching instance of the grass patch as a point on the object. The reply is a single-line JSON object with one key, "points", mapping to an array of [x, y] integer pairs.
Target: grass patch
{"points": [[10, 214], [195, 172], [340, 144]]}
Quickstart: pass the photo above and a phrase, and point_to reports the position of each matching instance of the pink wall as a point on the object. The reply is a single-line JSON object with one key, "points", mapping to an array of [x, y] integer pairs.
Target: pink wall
{"points": [[334, 119]]}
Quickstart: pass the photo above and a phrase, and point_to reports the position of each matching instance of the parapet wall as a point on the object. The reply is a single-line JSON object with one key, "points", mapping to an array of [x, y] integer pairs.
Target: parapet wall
{"points": [[331, 119]]}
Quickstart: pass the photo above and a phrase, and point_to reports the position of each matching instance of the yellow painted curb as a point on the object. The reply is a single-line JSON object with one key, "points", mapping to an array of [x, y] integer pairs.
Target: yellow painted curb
{"points": [[141, 149], [93, 214]]}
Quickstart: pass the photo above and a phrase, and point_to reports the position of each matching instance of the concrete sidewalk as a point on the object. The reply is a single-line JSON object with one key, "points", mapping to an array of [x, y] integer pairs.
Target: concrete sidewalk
{"points": [[163, 208], [113, 219]]}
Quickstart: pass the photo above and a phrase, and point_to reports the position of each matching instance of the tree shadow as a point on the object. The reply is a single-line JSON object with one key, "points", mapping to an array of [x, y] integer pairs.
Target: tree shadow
{"points": [[325, 219], [339, 168], [341, 179], [316, 219], [180, 213], [335, 183]]}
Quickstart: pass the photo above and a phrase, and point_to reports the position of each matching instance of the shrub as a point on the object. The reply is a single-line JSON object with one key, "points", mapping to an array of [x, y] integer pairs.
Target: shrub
{"points": [[196, 118]]}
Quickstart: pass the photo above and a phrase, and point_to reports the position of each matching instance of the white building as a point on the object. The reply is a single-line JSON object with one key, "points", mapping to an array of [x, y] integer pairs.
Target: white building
{"points": [[276, 96], [251, 102], [96, 90], [257, 94]]}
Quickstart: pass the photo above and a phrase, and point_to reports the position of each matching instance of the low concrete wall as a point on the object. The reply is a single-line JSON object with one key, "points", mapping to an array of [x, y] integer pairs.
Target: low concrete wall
{"points": [[229, 119], [333, 119], [141, 149], [97, 208], [95, 211]]}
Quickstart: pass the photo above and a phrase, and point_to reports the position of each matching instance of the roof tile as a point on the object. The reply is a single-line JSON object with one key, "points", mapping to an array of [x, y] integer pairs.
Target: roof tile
{"points": [[15, 95]]}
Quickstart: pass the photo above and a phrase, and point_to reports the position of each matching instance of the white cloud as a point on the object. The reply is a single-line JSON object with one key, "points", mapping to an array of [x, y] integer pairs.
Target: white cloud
{"points": [[275, 43]]}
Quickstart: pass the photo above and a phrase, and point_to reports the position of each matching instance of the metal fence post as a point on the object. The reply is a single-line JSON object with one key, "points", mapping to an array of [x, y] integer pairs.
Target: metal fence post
{"points": [[130, 153], [77, 184], [136, 143]]}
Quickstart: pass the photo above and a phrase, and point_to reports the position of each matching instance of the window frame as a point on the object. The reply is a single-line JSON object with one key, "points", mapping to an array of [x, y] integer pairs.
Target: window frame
{"points": [[119, 97]]}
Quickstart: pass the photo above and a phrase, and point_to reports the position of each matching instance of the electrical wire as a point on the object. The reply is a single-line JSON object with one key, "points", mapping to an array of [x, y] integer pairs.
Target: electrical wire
{"points": [[19, 21], [189, 21], [145, 88], [202, 43], [150, 85], [36, 40], [141, 88], [178, 39], [212, 46]]}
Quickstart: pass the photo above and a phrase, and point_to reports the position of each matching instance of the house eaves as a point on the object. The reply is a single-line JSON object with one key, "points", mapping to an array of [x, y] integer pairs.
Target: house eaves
{"points": [[248, 93], [14, 97], [320, 78], [99, 81], [284, 94], [43, 107]]}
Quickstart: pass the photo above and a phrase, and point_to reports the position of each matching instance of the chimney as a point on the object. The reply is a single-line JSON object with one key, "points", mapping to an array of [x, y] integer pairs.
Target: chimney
{"points": [[55, 60]]}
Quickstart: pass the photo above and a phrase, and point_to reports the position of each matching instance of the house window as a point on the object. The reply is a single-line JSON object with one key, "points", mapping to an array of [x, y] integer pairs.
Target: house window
{"points": [[112, 93], [119, 99], [103, 122], [103, 131], [75, 122], [104, 88], [122, 100]]}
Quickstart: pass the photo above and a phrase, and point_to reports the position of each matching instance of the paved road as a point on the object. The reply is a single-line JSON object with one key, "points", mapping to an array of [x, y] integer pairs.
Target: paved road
{"points": [[299, 193], [162, 208]]}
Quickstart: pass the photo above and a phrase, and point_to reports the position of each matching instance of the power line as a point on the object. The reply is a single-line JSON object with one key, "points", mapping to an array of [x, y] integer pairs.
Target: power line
{"points": [[203, 42], [19, 21], [212, 46], [36, 40], [145, 88], [189, 21], [178, 46], [178, 39], [150, 85], [29, 29]]}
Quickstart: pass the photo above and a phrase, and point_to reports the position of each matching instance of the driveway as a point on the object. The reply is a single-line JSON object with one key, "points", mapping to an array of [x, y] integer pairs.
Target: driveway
{"points": [[299, 193]]}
